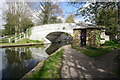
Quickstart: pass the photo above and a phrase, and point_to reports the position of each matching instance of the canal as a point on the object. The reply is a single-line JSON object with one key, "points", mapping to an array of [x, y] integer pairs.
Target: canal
{"points": [[17, 61]]}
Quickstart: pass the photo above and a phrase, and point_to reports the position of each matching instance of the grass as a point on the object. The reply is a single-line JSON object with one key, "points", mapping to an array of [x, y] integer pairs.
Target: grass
{"points": [[28, 41], [23, 41], [97, 52], [51, 68]]}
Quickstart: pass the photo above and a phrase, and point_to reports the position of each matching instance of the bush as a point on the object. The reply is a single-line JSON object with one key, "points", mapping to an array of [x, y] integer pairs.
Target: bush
{"points": [[111, 42]]}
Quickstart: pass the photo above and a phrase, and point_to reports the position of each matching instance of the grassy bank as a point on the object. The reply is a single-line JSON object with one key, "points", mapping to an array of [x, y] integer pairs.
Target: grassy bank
{"points": [[97, 52], [51, 67], [24, 41]]}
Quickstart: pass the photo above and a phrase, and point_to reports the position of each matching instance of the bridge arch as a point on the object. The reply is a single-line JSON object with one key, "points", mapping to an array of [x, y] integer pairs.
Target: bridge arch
{"points": [[59, 36], [40, 32]]}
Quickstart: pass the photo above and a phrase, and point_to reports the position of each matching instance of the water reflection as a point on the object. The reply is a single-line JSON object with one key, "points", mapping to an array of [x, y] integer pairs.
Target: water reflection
{"points": [[17, 61], [54, 47], [16, 57], [39, 53]]}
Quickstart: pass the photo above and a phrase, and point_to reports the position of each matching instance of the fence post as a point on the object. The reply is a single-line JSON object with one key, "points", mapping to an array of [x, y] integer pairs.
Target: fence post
{"points": [[24, 36], [20, 36], [15, 39], [9, 40]]}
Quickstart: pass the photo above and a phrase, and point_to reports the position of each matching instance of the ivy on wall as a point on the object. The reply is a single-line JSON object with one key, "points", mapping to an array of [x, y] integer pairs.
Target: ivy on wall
{"points": [[97, 37]]}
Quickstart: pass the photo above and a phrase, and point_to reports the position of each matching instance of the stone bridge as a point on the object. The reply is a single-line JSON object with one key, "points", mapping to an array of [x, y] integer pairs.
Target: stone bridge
{"points": [[40, 32]]}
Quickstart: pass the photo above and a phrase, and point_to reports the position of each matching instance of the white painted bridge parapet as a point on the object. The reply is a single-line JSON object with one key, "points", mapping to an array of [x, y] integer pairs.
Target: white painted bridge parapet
{"points": [[40, 32]]}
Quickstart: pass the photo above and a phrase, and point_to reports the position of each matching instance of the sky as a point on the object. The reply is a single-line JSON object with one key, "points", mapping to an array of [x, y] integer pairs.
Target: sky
{"points": [[70, 9], [2, 6], [65, 6], [67, 9]]}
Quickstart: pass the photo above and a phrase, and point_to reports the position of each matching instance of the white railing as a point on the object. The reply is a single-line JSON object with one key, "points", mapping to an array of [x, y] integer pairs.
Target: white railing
{"points": [[18, 37]]}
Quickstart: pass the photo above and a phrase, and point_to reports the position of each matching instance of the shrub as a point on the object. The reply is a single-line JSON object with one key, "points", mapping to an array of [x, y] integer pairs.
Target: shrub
{"points": [[111, 42]]}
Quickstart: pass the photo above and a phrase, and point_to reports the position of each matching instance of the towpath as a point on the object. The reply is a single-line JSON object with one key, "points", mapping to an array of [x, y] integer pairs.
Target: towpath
{"points": [[77, 65]]}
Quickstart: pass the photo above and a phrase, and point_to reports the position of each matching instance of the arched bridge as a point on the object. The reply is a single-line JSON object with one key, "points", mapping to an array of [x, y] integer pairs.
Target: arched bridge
{"points": [[40, 32]]}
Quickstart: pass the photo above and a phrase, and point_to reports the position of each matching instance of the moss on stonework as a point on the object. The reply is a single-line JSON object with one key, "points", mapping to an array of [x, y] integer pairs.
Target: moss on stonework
{"points": [[76, 37], [92, 37]]}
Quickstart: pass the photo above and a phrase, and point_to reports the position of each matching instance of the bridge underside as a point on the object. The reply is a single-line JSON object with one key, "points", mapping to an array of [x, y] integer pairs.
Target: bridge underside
{"points": [[58, 37]]}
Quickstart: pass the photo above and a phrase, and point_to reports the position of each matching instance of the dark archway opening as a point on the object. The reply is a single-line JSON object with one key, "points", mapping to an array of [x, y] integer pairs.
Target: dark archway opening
{"points": [[83, 37], [59, 37]]}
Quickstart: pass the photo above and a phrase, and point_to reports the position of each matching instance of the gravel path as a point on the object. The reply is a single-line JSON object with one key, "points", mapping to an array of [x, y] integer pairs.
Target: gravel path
{"points": [[78, 65]]}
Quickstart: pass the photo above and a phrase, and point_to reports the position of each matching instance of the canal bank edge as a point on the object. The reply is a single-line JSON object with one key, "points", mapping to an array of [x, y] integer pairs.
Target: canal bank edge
{"points": [[39, 66], [19, 45]]}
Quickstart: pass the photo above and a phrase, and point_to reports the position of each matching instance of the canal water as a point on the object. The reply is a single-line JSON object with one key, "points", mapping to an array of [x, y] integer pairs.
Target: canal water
{"points": [[17, 61]]}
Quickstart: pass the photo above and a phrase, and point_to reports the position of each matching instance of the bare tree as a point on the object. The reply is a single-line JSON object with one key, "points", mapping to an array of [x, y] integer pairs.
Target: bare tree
{"points": [[15, 14], [46, 11]]}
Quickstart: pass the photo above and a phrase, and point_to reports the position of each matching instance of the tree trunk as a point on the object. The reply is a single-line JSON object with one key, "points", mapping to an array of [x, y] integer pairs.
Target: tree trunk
{"points": [[118, 36]]}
